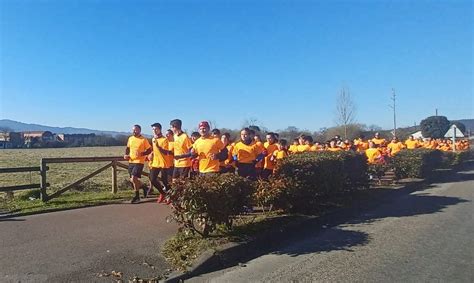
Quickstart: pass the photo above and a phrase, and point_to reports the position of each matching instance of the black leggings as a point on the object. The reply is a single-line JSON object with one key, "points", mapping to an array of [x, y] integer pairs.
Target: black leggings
{"points": [[157, 182]]}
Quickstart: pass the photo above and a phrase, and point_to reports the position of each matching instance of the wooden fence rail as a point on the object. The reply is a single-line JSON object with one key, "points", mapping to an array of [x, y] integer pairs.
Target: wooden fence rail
{"points": [[113, 162], [21, 170]]}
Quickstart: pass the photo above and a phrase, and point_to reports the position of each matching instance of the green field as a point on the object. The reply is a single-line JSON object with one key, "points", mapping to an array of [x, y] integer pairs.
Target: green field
{"points": [[97, 188]]}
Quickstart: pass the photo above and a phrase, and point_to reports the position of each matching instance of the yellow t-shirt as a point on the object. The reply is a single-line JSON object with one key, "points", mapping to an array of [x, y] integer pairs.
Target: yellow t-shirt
{"points": [[270, 148], [379, 142], [361, 145], [245, 153], [203, 147], [280, 154], [412, 144], [181, 145], [395, 147], [137, 146], [160, 160], [293, 148], [372, 154], [303, 148], [334, 149]]}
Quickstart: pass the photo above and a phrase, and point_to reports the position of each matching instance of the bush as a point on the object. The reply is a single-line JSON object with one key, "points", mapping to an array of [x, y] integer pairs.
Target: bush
{"points": [[450, 158], [204, 202], [310, 176], [416, 163]]}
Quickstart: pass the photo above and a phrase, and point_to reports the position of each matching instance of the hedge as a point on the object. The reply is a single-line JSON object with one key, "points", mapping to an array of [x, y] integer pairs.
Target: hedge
{"points": [[304, 179], [450, 158], [416, 163], [202, 203]]}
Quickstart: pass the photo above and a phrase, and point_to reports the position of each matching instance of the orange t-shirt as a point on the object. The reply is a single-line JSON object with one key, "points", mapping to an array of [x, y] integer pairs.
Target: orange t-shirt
{"points": [[181, 145], [245, 153], [160, 160], [137, 146], [270, 148], [412, 144], [203, 147], [373, 154], [395, 147]]}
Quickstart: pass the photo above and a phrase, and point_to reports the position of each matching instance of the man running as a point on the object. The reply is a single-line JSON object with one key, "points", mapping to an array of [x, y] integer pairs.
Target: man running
{"points": [[181, 147], [137, 149]]}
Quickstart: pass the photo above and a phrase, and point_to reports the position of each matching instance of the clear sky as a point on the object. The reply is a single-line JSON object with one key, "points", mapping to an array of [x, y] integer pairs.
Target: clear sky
{"points": [[110, 64]]}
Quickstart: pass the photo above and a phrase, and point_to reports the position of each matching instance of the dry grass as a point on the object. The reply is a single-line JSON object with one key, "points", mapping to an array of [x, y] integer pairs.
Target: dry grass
{"points": [[60, 175]]}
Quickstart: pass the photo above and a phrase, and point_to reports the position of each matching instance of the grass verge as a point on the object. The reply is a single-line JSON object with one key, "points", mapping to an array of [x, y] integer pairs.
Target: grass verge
{"points": [[22, 204], [185, 247]]}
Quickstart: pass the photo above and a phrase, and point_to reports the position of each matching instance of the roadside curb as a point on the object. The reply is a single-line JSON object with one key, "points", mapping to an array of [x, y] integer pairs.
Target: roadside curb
{"points": [[233, 253]]}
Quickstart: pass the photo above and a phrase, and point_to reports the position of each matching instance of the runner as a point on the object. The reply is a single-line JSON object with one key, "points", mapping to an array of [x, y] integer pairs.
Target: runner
{"points": [[137, 149], [160, 163], [181, 149]]}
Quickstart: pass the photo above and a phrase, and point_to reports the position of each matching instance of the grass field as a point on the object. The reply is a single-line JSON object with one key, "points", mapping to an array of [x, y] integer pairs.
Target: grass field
{"points": [[95, 190]]}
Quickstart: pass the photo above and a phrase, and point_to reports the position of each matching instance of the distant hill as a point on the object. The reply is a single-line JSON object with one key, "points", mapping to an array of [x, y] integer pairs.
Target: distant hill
{"points": [[22, 127], [469, 123]]}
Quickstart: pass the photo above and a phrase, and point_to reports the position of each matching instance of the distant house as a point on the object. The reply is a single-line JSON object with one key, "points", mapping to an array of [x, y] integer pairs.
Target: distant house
{"points": [[33, 137], [10, 140], [417, 135]]}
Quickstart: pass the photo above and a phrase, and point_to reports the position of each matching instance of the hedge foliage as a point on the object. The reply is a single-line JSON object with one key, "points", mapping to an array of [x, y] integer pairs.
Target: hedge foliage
{"points": [[204, 202], [416, 163], [308, 177], [450, 158], [300, 183]]}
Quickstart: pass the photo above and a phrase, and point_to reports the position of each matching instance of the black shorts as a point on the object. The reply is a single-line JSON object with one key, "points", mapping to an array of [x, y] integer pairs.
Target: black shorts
{"points": [[181, 172], [247, 170], [135, 169]]}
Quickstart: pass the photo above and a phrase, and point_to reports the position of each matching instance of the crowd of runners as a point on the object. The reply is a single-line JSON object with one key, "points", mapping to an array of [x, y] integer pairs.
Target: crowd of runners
{"points": [[173, 154]]}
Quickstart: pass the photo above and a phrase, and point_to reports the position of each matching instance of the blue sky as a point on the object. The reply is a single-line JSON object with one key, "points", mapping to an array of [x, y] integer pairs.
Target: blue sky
{"points": [[110, 64]]}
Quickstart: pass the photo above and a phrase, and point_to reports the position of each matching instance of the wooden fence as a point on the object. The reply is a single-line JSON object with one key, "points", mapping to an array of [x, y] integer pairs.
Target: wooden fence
{"points": [[113, 163]]}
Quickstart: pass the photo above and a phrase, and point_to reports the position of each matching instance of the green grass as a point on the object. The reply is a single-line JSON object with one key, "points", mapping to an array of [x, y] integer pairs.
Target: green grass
{"points": [[94, 191], [67, 200], [185, 247]]}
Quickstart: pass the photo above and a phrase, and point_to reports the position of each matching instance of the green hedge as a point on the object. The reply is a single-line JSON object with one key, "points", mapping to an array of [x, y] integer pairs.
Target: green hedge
{"points": [[204, 202], [450, 158], [310, 176], [416, 163]]}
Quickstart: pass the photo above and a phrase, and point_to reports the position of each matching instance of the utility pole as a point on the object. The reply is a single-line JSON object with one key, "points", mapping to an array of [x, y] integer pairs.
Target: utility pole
{"points": [[393, 98], [436, 112]]}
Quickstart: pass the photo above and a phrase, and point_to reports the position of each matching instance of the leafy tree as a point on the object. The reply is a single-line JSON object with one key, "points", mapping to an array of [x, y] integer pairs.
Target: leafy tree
{"points": [[434, 126]]}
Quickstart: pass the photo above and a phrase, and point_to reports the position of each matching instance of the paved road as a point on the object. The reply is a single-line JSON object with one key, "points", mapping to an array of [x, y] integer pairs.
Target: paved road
{"points": [[76, 245], [425, 236]]}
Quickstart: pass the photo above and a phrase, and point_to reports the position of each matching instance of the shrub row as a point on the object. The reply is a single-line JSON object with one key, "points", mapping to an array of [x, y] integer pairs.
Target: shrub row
{"points": [[419, 163], [299, 182], [416, 163], [299, 185], [204, 202]]}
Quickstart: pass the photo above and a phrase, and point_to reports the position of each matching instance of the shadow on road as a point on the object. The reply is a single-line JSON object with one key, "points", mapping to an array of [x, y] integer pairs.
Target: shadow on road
{"points": [[330, 233]]}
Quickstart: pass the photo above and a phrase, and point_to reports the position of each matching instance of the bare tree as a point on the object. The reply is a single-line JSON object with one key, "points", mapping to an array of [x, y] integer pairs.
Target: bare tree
{"points": [[345, 110]]}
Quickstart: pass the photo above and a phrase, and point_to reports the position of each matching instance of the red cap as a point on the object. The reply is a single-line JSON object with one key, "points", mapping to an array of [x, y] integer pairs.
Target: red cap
{"points": [[204, 124]]}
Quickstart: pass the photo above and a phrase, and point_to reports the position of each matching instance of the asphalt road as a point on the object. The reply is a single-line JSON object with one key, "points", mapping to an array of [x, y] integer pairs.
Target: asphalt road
{"points": [[424, 236], [80, 244]]}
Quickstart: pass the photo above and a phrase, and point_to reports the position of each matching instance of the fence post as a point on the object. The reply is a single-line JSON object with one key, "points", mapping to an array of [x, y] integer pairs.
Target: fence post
{"points": [[114, 177], [43, 184]]}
